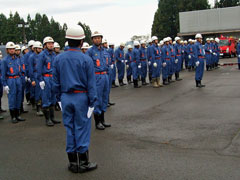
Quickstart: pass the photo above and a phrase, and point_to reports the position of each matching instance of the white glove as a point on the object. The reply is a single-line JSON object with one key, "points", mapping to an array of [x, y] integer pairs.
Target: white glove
{"points": [[42, 85], [164, 64], [60, 105], [122, 61], [189, 56], [197, 63], [112, 66], [214, 54], [176, 61], [149, 63], [139, 66], [90, 111], [26, 79], [155, 65], [182, 51], [29, 80], [239, 55], [126, 61], [127, 66], [6, 88], [210, 51]]}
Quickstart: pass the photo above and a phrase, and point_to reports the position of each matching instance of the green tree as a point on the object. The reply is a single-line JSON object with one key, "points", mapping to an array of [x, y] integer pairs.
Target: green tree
{"points": [[226, 3], [87, 32], [166, 18]]}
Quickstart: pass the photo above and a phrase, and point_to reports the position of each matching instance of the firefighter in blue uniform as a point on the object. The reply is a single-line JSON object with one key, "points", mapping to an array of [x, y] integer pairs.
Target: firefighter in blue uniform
{"points": [[190, 55], [157, 62], [172, 59], [113, 65], [11, 72], [1, 86], [119, 56], [178, 60], [23, 70], [32, 73], [28, 83], [208, 53], [143, 59], [166, 61], [96, 53], [85, 47], [136, 64], [238, 53], [129, 58], [109, 72], [199, 54], [149, 58], [74, 82], [44, 77]]}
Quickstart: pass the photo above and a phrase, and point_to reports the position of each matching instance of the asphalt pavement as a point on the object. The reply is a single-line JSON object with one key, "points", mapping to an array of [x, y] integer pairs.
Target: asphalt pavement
{"points": [[177, 132]]}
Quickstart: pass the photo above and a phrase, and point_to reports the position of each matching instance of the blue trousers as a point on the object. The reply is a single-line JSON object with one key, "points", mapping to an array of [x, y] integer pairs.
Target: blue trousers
{"points": [[121, 70], [208, 59], [191, 61], [1, 93], [102, 83], [48, 96], [15, 93], [178, 64], [134, 67], [157, 70], [114, 73], [129, 70], [199, 70], [23, 87], [78, 126], [166, 70], [144, 69]]}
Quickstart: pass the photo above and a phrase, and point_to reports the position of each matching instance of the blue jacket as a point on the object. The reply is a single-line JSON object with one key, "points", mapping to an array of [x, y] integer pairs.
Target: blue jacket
{"points": [[129, 57], [32, 66], [178, 49], [97, 56], [119, 54], [143, 53], [166, 53], [73, 70], [198, 51], [155, 53], [111, 53], [136, 55], [10, 67]]}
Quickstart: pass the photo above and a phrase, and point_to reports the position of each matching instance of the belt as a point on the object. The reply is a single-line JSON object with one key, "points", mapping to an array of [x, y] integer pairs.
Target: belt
{"points": [[78, 91], [172, 56], [190, 53], [143, 59], [23, 74], [158, 58], [207, 53], [13, 77], [167, 58], [178, 55], [47, 75], [35, 71], [104, 72], [201, 57], [134, 61]]}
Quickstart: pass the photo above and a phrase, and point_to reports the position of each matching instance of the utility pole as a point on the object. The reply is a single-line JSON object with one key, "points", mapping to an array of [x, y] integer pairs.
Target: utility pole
{"points": [[23, 25]]}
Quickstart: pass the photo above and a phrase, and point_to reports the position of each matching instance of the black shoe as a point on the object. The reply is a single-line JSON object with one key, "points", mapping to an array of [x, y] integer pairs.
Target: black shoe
{"points": [[73, 162], [135, 82], [111, 104], [52, 117], [84, 164], [177, 77], [103, 121], [200, 84], [13, 117], [98, 123], [165, 82], [47, 117], [17, 115]]}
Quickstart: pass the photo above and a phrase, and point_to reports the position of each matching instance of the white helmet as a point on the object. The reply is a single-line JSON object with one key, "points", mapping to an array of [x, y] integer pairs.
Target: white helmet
{"points": [[136, 43], [85, 45], [181, 41], [56, 45], [208, 39], [10, 45], [75, 32], [122, 44], [190, 40], [37, 44], [169, 38], [96, 33], [165, 40], [174, 42], [66, 44], [30, 43], [1, 54], [142, 42], [161, 42], [111, 44], [198, 36], [211, 39], [185, 42], [129, 47], [48, 39], [154, 38], [104, 41], [177, 38], [17, 47], [217, 40], [23, 48]]}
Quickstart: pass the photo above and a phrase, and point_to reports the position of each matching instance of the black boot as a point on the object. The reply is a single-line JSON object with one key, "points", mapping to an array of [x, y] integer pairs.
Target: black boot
{"points": [[32, 100], [13, 117], [135, 83], [73, 162], [51, 110], [17, 115], [98, 123], [28, 98], [196, 83], [165, 82], [200, 84], [169, 80], [207, 67], [178, 79], [84, 164], [111, 103], [129, 79], [239, 66], [150, 77], [46, 113], [22, 109], [120, 81], [103, 121], [39, 111], [144, 81], [114, 84]]}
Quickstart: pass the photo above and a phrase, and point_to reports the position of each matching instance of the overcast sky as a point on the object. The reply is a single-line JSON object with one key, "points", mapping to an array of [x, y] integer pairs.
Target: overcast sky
{"points": [[118, 20]]}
